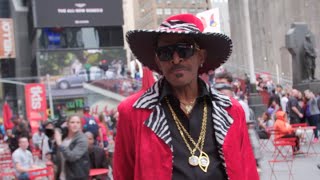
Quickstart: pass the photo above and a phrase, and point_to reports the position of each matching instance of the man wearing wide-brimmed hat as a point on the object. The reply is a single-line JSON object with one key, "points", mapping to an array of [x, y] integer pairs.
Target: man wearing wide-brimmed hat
{"points": [[180, 128]]}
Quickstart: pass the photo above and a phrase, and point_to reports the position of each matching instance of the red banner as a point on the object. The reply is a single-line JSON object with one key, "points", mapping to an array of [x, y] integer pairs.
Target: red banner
{"points": [[36, 102]]}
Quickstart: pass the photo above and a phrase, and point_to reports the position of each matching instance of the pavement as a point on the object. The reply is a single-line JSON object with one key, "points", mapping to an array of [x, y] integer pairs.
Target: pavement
{"points": [[304, 166]]}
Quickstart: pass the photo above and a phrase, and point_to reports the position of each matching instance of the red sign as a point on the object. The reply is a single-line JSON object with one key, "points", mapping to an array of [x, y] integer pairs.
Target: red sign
{"points": [[7, 46], [36, 102]]}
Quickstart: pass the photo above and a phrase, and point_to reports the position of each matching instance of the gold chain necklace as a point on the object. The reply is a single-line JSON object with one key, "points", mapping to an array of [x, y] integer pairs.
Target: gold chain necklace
{"points": [[203, 160], [188, 107]]}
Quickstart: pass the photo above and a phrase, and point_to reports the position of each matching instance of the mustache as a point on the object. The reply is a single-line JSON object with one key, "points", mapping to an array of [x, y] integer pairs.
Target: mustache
{"points": [[178, 67]]}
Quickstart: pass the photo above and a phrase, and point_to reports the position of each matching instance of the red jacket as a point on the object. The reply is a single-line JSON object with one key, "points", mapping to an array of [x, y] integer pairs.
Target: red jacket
{"points": [[143, 149]]}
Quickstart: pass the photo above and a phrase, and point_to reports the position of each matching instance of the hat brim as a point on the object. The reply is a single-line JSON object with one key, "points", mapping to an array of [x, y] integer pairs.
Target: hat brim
{"points": [[143, 42]]}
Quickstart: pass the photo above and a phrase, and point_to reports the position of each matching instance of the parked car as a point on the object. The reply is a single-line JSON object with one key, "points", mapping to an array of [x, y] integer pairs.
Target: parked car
{"points": [[76, 80]]}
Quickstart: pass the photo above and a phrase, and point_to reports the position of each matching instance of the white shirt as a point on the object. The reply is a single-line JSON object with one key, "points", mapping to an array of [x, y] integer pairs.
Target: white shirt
{"points": [[246, 109], [23, 157], [284, 100]]}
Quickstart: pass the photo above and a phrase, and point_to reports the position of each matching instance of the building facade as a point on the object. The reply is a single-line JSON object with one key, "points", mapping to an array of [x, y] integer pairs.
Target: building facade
{"points": [[269, 22], [149, 14]]}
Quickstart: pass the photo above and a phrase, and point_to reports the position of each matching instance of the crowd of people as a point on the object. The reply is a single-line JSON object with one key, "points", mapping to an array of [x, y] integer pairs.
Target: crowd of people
{"points": [[73, 145], [286, 108]]}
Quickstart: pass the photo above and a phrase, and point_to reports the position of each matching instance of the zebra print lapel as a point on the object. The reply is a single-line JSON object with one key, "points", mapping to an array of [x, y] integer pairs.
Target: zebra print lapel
{"points": [[221, 119], [157, 121]]}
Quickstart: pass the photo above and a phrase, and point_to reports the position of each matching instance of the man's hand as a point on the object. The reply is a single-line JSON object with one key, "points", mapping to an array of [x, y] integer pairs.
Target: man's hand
{"points": [[57, 136], [300, 115], [101, 144]]}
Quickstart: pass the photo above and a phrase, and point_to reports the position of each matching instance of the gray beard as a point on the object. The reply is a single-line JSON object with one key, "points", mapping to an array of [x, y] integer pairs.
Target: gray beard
{"points": [[179, 75]]}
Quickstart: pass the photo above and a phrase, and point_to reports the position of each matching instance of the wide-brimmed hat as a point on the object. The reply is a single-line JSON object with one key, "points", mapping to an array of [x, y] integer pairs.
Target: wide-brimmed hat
{"points": [[143, 42]]}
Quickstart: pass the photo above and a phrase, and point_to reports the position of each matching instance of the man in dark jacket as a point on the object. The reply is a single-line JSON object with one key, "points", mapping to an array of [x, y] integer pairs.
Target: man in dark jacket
{"points": [[98, 158]]}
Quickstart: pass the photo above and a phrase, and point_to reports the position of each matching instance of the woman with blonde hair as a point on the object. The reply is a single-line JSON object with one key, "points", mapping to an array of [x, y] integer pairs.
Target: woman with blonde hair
{"points": [[73, 158]]}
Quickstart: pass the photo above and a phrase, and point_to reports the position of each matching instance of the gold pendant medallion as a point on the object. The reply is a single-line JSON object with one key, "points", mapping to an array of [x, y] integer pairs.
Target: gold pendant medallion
{"points": [[204, 161], [188, 108], [194, 160]]}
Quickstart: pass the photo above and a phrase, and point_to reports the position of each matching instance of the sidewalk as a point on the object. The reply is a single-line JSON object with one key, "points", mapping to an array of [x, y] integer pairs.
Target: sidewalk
{"points": [[304, 167]]}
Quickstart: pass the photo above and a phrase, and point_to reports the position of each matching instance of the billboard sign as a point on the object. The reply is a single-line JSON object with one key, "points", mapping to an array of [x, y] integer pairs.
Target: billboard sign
{"points": [[210, 20], [36, 102], [75, 13], [7, 45]]}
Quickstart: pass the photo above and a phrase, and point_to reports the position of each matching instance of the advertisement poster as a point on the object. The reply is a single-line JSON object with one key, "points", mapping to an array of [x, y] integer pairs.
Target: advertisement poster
{"points": [[36, 104], [7, 46]]}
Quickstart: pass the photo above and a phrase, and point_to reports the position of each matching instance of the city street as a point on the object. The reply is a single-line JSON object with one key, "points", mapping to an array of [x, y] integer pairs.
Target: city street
{"points": [[304, 167]]}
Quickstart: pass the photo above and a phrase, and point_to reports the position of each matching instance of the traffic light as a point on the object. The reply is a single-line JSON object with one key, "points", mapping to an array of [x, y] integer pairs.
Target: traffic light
{"points": [[103, 64]]}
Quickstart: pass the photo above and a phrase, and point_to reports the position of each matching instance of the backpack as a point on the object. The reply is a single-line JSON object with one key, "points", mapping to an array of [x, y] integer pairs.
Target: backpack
{"points": [[91, 125]]}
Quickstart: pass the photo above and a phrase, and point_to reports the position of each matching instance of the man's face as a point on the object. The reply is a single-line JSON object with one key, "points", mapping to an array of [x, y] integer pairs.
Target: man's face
{"points": [[225, 91], [23, 143], [15, 121], [221, 81], [90, 139], [279, 89], [179, 71], [9, 132]]}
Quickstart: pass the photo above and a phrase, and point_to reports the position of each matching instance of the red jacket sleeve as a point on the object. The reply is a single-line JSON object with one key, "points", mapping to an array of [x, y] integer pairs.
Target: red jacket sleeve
{"points": [[124, 154], [241, 165], [248, 160]]}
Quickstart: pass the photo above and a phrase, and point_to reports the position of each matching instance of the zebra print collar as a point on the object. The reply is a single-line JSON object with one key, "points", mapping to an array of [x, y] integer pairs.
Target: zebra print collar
{"points": [[157, 120]]}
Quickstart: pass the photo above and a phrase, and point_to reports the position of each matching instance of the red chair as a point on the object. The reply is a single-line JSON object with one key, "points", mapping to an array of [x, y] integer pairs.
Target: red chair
{"points": [[5, 158], [265, 143], [7, 171], [43, 172], [283, 153], [97, 172], [299, 125], [7, 175]]}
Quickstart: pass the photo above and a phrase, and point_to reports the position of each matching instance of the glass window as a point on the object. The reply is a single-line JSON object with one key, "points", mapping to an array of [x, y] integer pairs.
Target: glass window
{"points": [[175, 11], [184, 11], [167, 11], [159, 11], [192, 11], [86, 37]]}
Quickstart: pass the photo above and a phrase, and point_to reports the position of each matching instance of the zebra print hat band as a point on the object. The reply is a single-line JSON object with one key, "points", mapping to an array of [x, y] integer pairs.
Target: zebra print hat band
{"points": [[143, 42]]}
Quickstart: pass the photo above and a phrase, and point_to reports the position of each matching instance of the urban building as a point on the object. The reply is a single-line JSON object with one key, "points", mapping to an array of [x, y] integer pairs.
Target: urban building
{"points": [[61, 50], [149, 14], [269, 22]]}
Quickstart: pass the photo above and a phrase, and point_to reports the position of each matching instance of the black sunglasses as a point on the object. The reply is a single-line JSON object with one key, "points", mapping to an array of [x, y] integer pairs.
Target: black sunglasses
{"points": [[184, 50], [221, 86]]}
